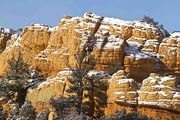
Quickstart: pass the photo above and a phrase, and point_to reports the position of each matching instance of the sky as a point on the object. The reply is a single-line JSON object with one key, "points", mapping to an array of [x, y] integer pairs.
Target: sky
{"points": [[20, 13]]}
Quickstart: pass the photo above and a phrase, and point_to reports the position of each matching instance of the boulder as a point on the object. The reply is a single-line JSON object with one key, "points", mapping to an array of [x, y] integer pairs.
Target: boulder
{"points": [[53, 87]]}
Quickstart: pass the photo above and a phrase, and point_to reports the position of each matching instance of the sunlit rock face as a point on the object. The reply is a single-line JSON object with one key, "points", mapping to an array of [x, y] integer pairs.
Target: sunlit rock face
{"points": [[129, 50], [109, 47], [121, 93], [160, 91], [32, 40], [69, 37], [113, 43], [169, 53], [157, 94]]}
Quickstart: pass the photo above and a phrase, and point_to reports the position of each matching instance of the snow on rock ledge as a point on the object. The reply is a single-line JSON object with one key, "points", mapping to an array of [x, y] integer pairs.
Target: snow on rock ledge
{"points": [[122, 89], [169, 53], [156, 91], [160, 91], [122, 92]]}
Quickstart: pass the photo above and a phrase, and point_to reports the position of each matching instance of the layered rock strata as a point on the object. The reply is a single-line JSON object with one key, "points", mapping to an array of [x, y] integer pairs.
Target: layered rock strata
{"points": [[136, 47], [122, 92], [160, 91]]}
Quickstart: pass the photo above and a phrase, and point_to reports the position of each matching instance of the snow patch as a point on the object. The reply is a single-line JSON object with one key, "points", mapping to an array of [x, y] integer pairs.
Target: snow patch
{"points": [[43, 84], [51, 29], [127, 80], [116, 21], [134, 52], [163, 93], [177, 94], [97, 73], [167, 78], [147, 103], [37, 26], [175, 34], [92, 16], [5, 30], [118, 93]]}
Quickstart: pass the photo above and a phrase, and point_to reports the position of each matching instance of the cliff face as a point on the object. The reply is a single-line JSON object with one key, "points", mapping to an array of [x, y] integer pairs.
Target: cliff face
{"points": [[135, 47]]}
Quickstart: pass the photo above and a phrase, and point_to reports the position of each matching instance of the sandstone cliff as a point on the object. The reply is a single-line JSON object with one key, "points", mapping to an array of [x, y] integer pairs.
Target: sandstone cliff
{"points": [[139, 55]]}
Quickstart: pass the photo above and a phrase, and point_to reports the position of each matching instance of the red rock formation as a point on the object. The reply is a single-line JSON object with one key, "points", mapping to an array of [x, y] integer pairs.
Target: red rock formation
{"points": [[122, 92], [32, 40], [160, 91], [135, 46], [158, 94], [169, 54]]}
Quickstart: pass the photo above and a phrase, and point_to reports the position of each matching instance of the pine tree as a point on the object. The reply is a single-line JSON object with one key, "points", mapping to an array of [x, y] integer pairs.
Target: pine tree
{"points": [[26, 112], [87, 94], [15, 83], [92, 88], [149, 20], [19, 73], [95, 95], [61, 106], [78, 81], [18, 70], [77, 88]]}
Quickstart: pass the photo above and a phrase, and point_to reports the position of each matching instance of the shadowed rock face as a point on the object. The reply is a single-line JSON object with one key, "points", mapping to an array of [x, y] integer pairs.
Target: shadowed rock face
{"points": [[134, 46], [5, 35]]}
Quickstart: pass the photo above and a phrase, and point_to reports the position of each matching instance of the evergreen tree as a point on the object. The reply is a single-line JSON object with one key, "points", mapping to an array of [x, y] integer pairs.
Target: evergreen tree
{"points": [[61, 106], [15, 79], [149, 20], [77, 87], [87, 93], [95, 95], [78, 81], [15, 84], [92, 89], [26, 112], [18, 70]]}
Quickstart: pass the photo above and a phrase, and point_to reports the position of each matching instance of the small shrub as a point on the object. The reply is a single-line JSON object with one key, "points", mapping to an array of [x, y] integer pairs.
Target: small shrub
{"points": [[122, 115], [2, 114], [26, 112], [151, 21], [42, 116]]}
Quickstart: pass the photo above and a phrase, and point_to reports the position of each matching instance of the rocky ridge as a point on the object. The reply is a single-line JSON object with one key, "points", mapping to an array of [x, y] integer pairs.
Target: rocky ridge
{"points": [[136, 47]]}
